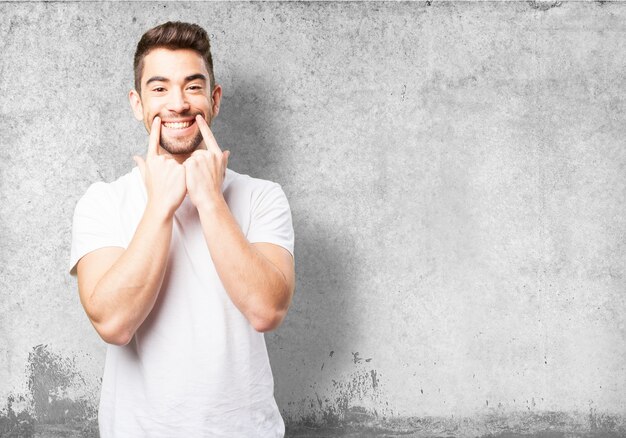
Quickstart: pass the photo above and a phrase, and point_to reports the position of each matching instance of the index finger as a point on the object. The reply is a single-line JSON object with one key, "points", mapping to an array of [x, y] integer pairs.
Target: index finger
{"points": [[155, 137], [209, 140]]}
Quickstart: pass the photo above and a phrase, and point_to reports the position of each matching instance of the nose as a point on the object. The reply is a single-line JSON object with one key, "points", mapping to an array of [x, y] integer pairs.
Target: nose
{"points": [[177, 102]]}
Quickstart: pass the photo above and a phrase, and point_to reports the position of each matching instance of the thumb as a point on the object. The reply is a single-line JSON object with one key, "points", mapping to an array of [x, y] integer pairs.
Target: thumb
{"points": [[141, 164], [226, 156]]}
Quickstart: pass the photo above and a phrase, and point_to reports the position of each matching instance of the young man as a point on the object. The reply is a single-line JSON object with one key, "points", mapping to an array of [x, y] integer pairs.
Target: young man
{"points": [[183, 263]]}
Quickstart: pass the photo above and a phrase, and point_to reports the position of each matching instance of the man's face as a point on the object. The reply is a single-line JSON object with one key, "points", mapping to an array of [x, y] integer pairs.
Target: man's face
{"points": [[175, 86]]}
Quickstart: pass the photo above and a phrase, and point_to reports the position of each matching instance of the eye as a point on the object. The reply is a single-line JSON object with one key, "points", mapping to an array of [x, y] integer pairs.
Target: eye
{"points": [[195, 87], [158, 89]]}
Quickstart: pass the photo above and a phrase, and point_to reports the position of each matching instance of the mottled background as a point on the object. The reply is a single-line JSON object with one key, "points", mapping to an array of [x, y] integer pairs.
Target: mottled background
{"points": [[456, 173]]}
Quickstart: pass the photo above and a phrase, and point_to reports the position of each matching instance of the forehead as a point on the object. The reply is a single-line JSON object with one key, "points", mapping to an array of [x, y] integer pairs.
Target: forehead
{"points": [[174, 65]]}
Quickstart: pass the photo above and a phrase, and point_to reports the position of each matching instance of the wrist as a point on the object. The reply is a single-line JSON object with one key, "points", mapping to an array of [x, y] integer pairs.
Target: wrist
{"points": [[159, 212], [211, 204]]}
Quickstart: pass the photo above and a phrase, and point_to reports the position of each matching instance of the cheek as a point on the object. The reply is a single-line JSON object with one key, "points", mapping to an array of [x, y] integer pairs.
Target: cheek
{"points": [[152, 110], [203, 104], [152, 106]]}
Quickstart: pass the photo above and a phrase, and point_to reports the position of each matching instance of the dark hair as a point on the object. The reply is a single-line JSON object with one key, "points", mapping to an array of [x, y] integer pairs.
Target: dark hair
{"points": [[174, 35]]}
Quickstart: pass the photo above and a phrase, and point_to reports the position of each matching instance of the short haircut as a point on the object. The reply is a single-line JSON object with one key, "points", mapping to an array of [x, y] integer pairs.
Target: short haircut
{"points": [[174, 35]]}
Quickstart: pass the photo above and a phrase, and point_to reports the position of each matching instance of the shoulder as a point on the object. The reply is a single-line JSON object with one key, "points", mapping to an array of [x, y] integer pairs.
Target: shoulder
{"points": [[236, 180], [107, 192], [248, 196], [238, 184]]}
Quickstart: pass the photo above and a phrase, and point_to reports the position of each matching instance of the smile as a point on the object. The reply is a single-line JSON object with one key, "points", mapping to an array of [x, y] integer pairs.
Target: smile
{"points": [[178, 125]]}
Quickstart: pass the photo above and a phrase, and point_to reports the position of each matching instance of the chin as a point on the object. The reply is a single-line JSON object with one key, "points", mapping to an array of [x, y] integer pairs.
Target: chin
{"points": [[181, 147]]}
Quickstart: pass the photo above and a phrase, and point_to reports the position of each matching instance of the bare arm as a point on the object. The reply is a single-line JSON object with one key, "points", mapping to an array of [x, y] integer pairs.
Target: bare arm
{"points": [[259, 277], [118, 287]]}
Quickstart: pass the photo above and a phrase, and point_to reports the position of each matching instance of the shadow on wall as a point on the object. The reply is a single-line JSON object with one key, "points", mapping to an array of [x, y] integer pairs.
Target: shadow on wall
{"points": [[247, 126], [321, 323]]}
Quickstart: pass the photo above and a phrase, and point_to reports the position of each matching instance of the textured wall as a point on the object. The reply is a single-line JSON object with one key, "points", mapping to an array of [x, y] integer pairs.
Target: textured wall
{"points": [[457, 178]]}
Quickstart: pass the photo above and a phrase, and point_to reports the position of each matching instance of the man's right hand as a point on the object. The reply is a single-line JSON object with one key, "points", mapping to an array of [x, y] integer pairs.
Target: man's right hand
{"points": [[164, 178], [119, 286]]}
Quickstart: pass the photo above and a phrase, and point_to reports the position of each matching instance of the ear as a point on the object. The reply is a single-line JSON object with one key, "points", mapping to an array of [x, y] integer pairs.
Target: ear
{"points": [[217, 99], [135, 103]]}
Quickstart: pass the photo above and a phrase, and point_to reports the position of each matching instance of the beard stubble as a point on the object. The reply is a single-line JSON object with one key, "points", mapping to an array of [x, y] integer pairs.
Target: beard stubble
{"points": [[181, 147]]}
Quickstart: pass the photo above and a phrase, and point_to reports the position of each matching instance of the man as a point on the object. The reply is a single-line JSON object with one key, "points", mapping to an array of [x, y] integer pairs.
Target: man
{"points": [[183, 263]]}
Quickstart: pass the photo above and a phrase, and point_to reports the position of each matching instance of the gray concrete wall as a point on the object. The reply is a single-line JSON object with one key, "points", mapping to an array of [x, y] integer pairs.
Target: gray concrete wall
{"points": [[457, 177]]}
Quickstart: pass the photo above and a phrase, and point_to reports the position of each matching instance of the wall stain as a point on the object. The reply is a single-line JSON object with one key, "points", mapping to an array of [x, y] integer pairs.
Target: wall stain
{"points": [[51, 406], [353, 399], [354, 406], [544, 5], [355, 358], [16, 424], [512, 425], [374, 379], [604, 423], [48, 410]]}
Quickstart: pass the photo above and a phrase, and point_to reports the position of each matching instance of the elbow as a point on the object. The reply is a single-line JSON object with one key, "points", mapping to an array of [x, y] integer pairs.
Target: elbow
{"points": [[114, 335], [269, 321], [110, 328], [268, 317], [119, 340]]}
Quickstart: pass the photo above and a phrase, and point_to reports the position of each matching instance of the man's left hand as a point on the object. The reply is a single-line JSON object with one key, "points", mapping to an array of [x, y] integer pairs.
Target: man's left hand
{"points": [[205, 169]]}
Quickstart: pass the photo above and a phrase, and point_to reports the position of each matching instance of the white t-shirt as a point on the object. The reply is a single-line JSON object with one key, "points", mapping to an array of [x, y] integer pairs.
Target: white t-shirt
{"points": [[195, 367]]}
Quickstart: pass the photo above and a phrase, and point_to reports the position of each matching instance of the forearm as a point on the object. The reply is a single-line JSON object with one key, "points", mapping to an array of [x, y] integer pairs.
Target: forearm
{"points": [[254, 284], [125, 295]]}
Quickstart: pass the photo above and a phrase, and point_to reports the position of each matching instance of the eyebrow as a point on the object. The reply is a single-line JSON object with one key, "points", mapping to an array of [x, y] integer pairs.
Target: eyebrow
{"points": [[187, 79]]}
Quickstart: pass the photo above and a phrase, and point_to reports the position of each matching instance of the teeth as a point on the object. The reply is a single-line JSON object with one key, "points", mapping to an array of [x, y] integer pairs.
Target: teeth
{"points": [[177, 125]]}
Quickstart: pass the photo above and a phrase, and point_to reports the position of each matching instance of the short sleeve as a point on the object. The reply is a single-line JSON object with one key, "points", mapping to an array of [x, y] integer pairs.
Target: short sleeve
{"points": [[270, 219], [95, 224]]}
